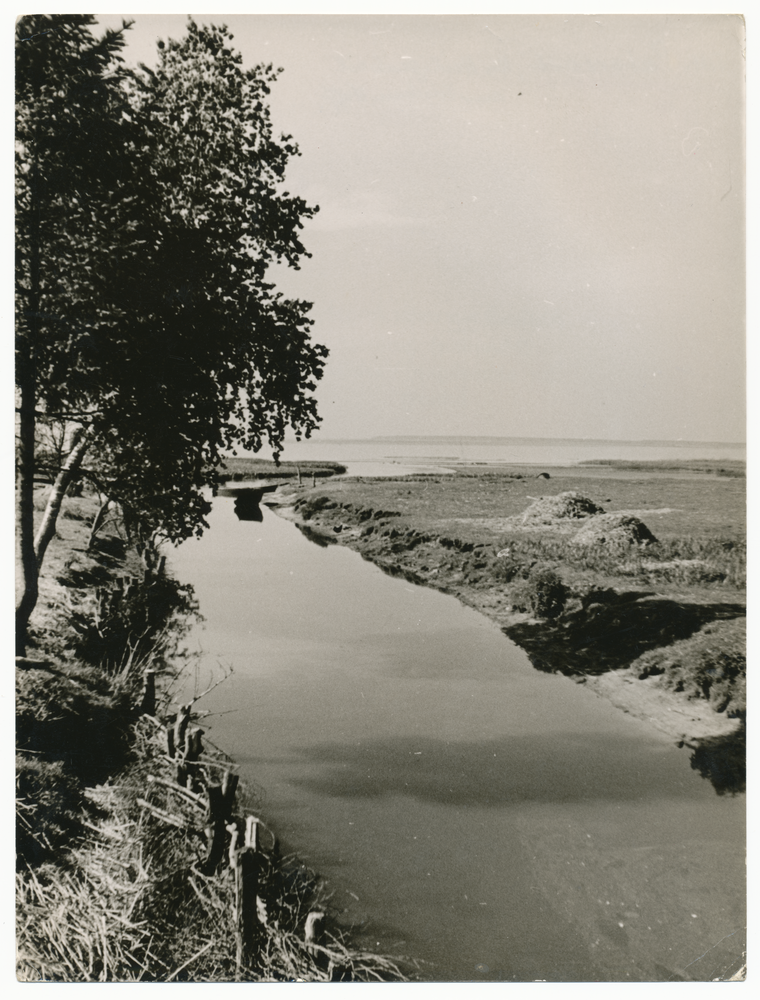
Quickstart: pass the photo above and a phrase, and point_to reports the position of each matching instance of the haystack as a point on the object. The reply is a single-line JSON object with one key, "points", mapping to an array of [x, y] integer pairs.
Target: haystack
{"points": [[614, 529], [568, 505]]}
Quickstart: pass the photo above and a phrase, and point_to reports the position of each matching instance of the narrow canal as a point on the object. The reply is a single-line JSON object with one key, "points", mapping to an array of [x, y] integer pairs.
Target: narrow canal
{"points": [[492, 821]]}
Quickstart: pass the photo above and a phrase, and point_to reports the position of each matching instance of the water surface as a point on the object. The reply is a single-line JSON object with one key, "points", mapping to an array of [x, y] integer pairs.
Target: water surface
{"points": [[493, 821]]}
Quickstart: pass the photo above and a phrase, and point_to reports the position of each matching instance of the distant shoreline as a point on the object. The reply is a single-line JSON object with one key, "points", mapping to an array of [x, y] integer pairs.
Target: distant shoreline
{"points": [[537, 441]]}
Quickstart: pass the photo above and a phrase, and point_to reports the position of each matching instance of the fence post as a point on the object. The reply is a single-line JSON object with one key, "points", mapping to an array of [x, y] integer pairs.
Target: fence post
{"points": [[148, 706], [245, 864], [249, 880], [221, 799], [176, 741], [229, 788], [237, 920], [183, 717], [215, 829], [191, 753]]}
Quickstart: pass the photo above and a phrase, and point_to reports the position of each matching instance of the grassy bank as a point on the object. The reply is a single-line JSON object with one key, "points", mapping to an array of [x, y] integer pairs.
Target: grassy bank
{"points": [[126, 870], [657, 626], [708, 466], [239, 469]]}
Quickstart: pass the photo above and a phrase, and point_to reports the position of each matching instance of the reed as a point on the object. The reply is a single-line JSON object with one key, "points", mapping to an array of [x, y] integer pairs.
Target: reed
{"points": [[130, 901]]}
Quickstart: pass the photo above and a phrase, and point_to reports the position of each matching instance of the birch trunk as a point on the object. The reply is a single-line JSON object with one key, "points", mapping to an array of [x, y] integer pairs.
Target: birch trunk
{"points": [[26, 560], [67, 473]]}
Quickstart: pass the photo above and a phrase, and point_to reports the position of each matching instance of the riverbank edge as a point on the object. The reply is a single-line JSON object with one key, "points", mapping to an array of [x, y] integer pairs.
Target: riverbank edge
{"points": [[93, 749], [669, 714]]}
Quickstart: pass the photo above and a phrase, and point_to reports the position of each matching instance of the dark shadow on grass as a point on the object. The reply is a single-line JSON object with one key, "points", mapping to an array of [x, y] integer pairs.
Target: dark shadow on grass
{"points": [[90, 740], [607, 636]]}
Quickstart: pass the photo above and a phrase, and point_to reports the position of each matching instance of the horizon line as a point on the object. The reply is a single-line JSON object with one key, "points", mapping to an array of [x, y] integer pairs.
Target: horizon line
{"points": [[515, 440]]}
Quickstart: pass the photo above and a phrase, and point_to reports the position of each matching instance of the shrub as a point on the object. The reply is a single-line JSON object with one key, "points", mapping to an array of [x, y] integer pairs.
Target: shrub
{"points": [[505, 567], [117, 627], [543, 594]]}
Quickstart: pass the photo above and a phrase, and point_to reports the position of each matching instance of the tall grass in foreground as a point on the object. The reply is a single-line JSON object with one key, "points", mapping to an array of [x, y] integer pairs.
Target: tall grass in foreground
{"points": [[129, 902]]}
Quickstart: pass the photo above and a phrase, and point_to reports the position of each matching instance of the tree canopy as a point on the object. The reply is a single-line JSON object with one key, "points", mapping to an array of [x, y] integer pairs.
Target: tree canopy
{"points": [[150, 206]]}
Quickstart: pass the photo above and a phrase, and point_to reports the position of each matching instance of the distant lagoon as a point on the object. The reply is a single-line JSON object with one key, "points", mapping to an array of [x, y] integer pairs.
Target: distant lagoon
{"points": [[435, 450]]}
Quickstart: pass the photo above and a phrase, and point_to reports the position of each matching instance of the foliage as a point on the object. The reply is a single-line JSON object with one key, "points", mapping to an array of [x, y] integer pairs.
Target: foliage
{"points": [[723, 760], [69, 732], [614, 530], [149, 209], [116, 628], [543, 593], [231, 362]]}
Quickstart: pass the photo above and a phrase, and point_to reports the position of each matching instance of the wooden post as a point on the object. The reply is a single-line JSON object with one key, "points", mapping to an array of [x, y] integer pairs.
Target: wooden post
{"points": [[180, 725], [215, 829], [190, 754], [176, 741], [101, 596], [193, 744], [312, 932], [229, 788], [148, 705], [237, 907], [252, 833], [249, 880], [221, 800], [246, 867]]}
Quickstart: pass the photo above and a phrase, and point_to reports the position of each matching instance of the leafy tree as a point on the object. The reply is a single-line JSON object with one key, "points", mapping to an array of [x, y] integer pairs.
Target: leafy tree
{"points": [[149, 208]]}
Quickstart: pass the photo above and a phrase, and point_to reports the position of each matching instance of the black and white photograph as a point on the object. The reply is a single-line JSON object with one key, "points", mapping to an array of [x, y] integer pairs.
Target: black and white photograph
{"points": [[380, 498]]}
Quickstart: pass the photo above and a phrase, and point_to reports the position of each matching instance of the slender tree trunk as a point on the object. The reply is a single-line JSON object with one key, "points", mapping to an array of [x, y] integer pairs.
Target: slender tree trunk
{"points": [[27, 336], [26, 571], [67, 473]]}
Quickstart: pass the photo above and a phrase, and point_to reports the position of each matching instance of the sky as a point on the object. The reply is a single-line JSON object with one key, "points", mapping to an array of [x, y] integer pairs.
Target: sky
{"points": [[529, 226]]}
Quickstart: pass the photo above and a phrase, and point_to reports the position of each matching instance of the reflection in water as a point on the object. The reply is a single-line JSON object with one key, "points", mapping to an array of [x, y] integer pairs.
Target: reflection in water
{"points": [[321, 540], [247, 506], [722, 759], [248, 499], [503, 771]]}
